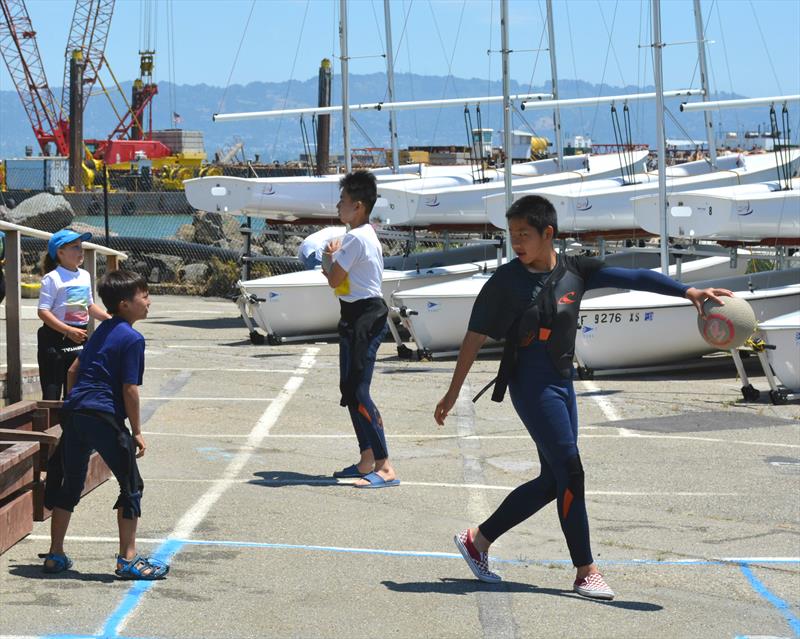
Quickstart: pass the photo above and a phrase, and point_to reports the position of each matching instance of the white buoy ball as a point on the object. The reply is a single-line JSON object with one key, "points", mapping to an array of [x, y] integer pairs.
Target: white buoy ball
{"points": [[727, 325]]}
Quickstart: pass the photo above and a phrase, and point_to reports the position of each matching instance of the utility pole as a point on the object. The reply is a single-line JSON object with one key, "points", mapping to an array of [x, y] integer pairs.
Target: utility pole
{"points": [[77, 66], [324, 119]]}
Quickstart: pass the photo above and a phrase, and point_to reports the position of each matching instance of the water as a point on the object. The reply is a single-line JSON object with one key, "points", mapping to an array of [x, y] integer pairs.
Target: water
{"points": [[162, 226]]}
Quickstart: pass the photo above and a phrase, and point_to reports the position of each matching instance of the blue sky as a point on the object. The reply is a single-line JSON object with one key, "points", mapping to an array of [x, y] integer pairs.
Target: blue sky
{"points": [[756, 49]]}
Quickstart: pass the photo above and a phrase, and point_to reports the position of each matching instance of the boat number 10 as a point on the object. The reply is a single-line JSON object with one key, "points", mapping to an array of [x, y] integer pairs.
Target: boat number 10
{"points": [[611, 318]]}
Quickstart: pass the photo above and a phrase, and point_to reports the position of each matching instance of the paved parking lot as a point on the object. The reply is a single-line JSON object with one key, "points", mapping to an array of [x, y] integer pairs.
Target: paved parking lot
{"points": [[693, 498]]}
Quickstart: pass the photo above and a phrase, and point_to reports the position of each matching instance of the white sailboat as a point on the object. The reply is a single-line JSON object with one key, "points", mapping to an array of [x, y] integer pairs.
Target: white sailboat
{"points": [[436, 316], [302, 305], [746, 212], [605, 205], [784, 334], [437, 202]]}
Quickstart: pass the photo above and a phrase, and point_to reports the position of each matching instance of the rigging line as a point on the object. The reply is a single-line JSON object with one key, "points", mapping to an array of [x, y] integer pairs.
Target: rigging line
{"points": [[727, 62], [410, 75], [291, 75], [539, 50], [452, 57], [572, 52], [766, 49], [525, 122], [641, 69], [605, 63], [489, 55], [236, 58]]}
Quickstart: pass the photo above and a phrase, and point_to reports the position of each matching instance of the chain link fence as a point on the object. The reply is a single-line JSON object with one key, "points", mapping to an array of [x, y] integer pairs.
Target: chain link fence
{"points": [[184, 251]]}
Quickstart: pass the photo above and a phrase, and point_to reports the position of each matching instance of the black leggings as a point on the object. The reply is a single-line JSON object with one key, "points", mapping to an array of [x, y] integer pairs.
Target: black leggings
{"points": [[546, 404], [55, 354]]}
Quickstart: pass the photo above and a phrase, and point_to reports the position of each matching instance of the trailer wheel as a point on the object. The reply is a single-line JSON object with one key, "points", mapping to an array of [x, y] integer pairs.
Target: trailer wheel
{"points": [[424, 355], [585, 373], [404, 352], [778, 397], [750, 394], [256, 338], [273, 340]]}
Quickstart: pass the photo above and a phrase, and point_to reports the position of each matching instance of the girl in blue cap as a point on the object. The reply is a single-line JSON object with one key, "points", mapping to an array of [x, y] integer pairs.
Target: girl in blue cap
{"points": [[65, 306]]}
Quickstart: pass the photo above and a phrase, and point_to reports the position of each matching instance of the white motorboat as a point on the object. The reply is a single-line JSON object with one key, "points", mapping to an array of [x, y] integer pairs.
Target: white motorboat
{"points": [[301, 304], [635, 329], [605, 205], [437, 316], [425, 203], [783, 333], [744, 212]]}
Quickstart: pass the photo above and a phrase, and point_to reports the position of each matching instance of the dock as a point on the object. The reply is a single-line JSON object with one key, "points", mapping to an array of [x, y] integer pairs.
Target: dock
{"points": [[692, 497]]}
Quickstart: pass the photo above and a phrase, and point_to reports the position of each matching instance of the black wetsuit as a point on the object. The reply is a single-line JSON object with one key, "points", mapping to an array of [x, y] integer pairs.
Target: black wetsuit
{"points": [[540, 383]]}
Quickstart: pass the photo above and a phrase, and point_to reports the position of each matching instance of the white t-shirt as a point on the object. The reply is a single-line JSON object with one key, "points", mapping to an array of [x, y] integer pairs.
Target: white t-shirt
{"points": [[316, 242], [361, 256], [67, 295]]}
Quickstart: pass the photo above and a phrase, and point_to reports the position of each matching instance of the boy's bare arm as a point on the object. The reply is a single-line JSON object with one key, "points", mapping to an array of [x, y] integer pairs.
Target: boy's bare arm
{"points": [[130, 397], [97, 312], [72, 374], [466, 357]]}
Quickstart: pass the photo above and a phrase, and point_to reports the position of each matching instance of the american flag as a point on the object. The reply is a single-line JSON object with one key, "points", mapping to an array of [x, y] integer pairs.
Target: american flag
{"points": [[176, 118]]}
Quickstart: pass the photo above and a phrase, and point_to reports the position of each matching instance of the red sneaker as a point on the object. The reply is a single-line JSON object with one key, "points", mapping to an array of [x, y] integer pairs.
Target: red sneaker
{"points": [[478, 562], [594, 587]]}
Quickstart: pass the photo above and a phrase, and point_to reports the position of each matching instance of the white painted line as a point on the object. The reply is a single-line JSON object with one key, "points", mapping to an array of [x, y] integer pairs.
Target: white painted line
{"points": [[220, 370], [211, 399], [632, 436], [324, 481], [192, 518], [605, 406], [265, 545]]}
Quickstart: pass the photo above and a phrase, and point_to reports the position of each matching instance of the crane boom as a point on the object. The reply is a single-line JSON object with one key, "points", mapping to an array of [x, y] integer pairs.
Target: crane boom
{"points": [[88, 34], [21, 54]]}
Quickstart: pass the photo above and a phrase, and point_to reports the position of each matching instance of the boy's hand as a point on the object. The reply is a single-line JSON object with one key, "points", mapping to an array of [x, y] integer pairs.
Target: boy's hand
{"points": [[443, 408], [334, 245], [140, 445], [77, 335], [698, 296]]}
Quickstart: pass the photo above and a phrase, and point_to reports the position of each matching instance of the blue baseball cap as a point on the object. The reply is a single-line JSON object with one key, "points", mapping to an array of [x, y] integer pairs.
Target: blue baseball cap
{"points": [[65, 236]]}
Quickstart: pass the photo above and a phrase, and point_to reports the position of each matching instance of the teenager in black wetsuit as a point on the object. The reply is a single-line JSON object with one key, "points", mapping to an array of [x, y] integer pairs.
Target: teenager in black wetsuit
{"points": [[532, 302]]}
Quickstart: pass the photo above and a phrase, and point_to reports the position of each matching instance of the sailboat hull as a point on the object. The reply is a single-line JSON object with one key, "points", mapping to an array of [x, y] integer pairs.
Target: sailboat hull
{"points": [[784, 334], [747, 212], [605, 205], [409, 205]]}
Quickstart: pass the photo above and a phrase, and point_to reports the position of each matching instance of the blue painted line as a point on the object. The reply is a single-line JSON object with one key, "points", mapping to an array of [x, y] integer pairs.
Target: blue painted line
{"points": [[780, 604], [164, 553]]}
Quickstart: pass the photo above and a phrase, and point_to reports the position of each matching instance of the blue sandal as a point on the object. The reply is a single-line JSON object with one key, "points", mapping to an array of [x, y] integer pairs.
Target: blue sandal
{"points": [[141, 568], [60, 563]]}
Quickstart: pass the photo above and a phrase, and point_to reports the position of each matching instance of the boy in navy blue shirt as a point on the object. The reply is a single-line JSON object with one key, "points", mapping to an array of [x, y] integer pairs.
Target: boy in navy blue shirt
{"points": [[103, 390]]}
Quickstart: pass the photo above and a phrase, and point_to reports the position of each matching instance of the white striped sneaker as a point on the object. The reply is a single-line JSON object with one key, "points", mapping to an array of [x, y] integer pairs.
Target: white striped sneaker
{"points": [[478, 562], [594, 587]]}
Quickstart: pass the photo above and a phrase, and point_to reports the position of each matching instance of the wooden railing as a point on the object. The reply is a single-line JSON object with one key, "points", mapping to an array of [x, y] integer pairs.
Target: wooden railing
{"points": [[29, 434], [13, 266]]}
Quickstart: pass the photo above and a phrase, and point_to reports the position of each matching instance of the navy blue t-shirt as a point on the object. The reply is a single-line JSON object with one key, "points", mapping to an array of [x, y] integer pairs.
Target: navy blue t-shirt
{"points": [[113, 356]]}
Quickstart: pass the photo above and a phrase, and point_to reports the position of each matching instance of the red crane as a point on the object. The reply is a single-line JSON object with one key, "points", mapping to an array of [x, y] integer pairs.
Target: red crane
{"points": [[91, 20]]}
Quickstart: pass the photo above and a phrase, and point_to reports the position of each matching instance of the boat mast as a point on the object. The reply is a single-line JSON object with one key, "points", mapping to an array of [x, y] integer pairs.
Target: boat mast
{"points": [[387, 14], [506, 115], [701, 57], [662, 155], [345, 83], [551, 39]]}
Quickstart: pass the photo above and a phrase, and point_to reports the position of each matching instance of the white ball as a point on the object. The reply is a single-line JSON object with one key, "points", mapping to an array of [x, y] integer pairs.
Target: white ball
{"points": [[728, 325]]}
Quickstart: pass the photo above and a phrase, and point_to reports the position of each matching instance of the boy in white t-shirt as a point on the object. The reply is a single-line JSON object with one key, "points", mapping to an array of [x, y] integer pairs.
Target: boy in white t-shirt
{"points": [[355, 274]]}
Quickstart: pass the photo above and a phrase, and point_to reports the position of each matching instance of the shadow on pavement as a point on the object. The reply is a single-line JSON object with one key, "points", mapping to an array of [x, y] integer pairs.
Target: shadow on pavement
{"points": [[450, 586], [34, 571], [279, 478]]}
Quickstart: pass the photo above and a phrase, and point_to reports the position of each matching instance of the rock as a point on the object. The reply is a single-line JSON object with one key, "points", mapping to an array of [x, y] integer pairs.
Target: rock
{"points": [[217, 230], [194, 274], [185, 233], [156, 268], [273, 248], [43, 211]]}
